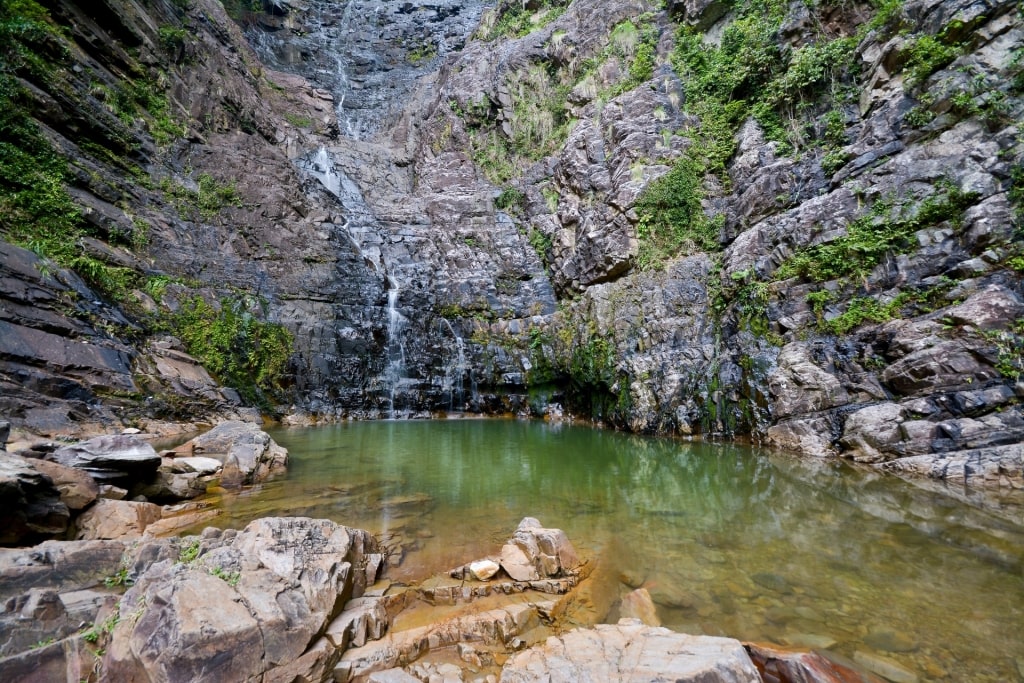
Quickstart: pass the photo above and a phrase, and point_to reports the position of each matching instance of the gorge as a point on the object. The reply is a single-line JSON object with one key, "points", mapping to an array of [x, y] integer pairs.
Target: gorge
{"points": [[790, 224]]}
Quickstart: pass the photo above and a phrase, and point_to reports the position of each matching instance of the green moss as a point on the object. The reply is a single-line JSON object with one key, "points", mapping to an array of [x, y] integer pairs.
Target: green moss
{"points": [[511, 19], [242, 351], [208, 199], [885, 229]]}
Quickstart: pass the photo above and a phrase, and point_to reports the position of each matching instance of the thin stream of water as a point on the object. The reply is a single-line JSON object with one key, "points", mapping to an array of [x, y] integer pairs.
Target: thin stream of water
{"points": [[728, 540]]}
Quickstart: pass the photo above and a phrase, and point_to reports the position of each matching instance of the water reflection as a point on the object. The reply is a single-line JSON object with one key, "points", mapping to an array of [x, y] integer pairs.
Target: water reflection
{"points": [[728, 540]]}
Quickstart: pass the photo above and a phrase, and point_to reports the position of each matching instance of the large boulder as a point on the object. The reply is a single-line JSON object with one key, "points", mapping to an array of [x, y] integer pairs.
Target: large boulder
{"points": [[630, 652], [535, 552], [30, 505], [247, 453], [77, 488], [116, 519], [111, 458], [237, 606]]}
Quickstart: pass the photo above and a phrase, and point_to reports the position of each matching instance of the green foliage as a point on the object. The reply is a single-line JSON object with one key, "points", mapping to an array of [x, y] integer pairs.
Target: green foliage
{"points": [[96, 631], [189, 552], [421, 53], [925, 55], [510, 199], [121, 578], [298, 121], [230, 577], [172, 38], [1009, 345], [671, 217], [511, 19], [860, 310], [208, 199], [877, 233], [244, 352], [541, 243]]}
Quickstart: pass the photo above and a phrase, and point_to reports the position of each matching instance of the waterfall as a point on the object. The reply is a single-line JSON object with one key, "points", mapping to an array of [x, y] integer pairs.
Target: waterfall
{"points": [[455, 370], [395, 371], [361, 225]]}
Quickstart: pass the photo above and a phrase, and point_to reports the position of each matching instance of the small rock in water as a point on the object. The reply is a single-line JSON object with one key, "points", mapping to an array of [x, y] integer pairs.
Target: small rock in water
{"points": [[885, 667], [813, 641], [483, 570], [773, 582], [890, 641], [131, 430], [638, 605]]}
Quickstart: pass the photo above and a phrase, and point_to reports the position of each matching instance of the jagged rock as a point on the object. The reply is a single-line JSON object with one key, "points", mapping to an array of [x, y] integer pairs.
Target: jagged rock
{"points": [[109, 459], [535, 552], [872, 434], [798, 385], [30, 505], [77, 488], [251, 604], [116, 519], [999, 467], [784, 666], [809, 436], [630, 651], [247, 454], [363, 619], [65, 566], [497, 626]]}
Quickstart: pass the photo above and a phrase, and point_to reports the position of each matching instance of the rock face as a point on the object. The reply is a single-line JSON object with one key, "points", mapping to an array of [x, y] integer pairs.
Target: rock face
{"points": [[241, 604], [630, 651]]}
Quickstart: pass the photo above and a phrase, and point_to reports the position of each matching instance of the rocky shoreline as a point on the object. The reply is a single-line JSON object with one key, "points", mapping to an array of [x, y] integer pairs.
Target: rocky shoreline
{"points": [[298, 599]]}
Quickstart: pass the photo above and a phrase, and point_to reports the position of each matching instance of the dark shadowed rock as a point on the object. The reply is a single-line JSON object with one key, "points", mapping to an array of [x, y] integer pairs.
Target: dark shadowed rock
{"points": [[77, 488], [111, 458], [30, 505]]}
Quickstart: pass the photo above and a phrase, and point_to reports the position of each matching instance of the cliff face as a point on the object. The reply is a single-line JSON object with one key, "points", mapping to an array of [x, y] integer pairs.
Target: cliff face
{"points": [[795, 221]]}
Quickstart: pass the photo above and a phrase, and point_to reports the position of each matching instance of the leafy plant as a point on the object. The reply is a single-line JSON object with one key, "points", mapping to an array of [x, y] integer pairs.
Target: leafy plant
{"points": [[189, 552]]}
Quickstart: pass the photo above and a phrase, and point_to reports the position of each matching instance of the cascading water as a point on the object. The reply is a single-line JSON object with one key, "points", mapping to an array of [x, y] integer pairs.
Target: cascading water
{"points": [[394, 373], [456, 369]]}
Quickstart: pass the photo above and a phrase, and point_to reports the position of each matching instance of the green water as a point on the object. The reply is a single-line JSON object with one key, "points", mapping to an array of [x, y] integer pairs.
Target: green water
{"points": [[729, 540]]}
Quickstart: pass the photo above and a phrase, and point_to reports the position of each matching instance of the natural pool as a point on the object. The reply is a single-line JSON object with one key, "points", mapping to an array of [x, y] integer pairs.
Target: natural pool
{"points": [[728, 539]]}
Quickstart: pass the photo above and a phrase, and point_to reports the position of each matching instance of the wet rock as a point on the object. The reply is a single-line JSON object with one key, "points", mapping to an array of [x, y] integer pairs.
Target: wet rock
{"points": [[630, 651], [638, 605], [885, 667], [116, 519], [111, 459], [1000, 467], [785, 666], [30, 505], [247, 454], [809, 436]]}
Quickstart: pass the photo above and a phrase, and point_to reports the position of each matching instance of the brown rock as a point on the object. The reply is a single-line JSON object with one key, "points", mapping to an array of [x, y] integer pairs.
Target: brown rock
{"points": [[116, 519], [77, 488]]}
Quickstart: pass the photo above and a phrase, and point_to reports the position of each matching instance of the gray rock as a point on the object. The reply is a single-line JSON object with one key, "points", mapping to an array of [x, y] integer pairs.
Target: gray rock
{"points": [[111, 458], [872, 434], [250, 605], [247, 453], [630, 651]]}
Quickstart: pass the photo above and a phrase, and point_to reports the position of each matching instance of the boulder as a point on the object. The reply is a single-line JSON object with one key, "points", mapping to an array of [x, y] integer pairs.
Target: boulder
{"points": [[483, 570], [77, 489], [872, 434], [638, 605], [632, 652], [116, 519], [792, 666], [535, 552], [240, 605], [247, 454], [111, 459], [30, 505]]}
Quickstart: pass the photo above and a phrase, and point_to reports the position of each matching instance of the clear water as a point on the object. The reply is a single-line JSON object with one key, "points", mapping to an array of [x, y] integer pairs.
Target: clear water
{"points": [[728, 539]]}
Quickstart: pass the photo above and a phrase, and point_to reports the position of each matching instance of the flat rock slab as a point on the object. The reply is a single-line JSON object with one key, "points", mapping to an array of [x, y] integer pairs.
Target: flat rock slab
{"points": [[110, 457], [630, 652]]}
